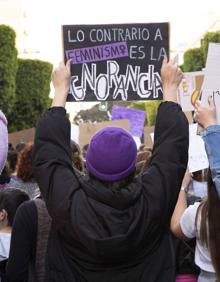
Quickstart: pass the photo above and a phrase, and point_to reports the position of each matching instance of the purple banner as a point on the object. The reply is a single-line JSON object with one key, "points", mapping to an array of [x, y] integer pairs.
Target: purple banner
{"points": [[135, 117], [98, 53]]}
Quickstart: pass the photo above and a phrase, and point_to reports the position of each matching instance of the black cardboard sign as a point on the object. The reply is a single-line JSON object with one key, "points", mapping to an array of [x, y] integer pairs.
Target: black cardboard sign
{"points": [[115, 62]]}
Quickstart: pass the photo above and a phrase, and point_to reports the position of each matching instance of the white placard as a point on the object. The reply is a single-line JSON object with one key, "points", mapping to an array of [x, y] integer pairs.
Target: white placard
{"points": [[197, 154], [74, 135], [211, 84]]}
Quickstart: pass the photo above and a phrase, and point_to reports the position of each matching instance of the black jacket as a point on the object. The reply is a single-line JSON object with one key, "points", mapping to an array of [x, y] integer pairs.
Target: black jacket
{"points": [[103, 234]]}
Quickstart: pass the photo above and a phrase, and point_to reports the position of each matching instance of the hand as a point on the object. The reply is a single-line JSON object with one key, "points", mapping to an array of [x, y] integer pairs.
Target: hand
{"points": [[205, 115], [171, 76], [61, 76], [61, 82]]}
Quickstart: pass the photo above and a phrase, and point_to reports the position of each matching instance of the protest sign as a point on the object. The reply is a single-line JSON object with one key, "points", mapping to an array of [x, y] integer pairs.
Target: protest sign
{"points": [[148, 130], [74, 133], [197, 154], [87, 130], [189, 117], [115, 62], [135, 117], [211, 85], [189, 90]]}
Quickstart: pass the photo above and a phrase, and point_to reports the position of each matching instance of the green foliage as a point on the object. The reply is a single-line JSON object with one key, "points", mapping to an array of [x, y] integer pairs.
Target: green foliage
{"points": [[151, 109], [32, 93], [8, 68], [193, 60], [209, 37], [137, 106]]}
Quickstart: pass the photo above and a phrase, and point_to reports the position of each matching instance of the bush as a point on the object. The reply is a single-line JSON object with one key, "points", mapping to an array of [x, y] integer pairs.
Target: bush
{"points": [[151, 109], [193, 60], [209, 37], [32, 93], [8, 68]]}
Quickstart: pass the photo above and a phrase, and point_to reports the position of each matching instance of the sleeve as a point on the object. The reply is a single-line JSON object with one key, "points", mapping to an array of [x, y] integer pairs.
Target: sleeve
{"points": [[23, 242], [211, 138], [52, 164], [188, 221], [169, 159], [3, 140]]}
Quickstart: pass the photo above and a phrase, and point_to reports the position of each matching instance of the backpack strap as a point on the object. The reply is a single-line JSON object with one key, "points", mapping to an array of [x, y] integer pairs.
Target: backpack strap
{"points": [[44, 225]]}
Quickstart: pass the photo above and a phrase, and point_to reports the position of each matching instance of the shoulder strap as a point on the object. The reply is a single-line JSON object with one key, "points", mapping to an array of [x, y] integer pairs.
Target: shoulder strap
{"points": [[44, 225]]}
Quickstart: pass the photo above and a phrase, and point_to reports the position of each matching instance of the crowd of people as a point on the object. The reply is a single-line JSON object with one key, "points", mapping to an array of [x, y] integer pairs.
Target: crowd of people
{"points": [[115, 213]]}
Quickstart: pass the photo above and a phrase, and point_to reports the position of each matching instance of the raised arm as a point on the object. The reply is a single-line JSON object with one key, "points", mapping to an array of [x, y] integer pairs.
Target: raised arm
{"points": [[170, 151], [206, 117], [3, 140], [52, 154]]}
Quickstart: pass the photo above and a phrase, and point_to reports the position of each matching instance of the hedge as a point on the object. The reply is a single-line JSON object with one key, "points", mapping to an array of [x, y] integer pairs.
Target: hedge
{"points": [[8, 68], [32, 93], [193, 60]]}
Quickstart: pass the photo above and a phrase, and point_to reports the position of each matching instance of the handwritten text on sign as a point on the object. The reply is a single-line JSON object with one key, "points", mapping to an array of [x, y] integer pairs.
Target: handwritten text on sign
{"points": [[116, 62]]}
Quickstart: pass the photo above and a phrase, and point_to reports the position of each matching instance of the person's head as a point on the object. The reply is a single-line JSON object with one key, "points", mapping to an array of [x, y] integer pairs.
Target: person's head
{"points": [[210, 209], [5, 175], [24, 167], [77, 159], [20, 146], [12, 160], [10, 200], [111, 155]]}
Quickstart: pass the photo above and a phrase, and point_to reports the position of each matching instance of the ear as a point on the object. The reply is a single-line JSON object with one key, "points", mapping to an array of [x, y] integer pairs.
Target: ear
{"points": [[3, 215]]}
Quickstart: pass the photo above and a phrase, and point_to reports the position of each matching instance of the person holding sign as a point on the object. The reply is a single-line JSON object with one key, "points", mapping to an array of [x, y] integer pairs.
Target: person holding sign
{"points": [[3, 140], [201, 220], [111, 225]]}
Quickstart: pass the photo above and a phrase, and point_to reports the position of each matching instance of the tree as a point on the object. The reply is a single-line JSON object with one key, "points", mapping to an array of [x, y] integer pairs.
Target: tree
{"points": [[193, 60], [32, 93], [8, 68]]}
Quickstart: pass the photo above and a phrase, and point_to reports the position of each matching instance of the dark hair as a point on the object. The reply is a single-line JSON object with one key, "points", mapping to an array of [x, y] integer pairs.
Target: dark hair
{"points": [[77, 159], [210, 233], [143, 160], [201, 175], [12, 159], [20, 146], [84, 150], [24, 164], [5, 175], [10, 200]]}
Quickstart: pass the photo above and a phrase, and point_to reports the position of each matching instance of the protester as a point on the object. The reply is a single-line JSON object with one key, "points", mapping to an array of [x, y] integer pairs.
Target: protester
{"points": [[3, 140], [10, 200], [186, 269], [29, 241], [30, 235], [102, 231], [24, 178], [201, 220]]}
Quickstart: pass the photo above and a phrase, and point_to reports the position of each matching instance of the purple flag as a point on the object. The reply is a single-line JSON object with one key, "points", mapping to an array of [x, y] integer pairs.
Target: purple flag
{"points": [[135, 117]]}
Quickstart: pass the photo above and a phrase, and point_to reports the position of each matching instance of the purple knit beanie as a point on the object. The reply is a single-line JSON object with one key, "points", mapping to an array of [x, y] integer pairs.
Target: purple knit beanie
{"points": [[111, 155]]}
